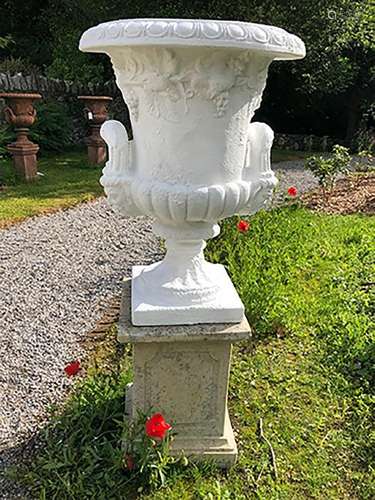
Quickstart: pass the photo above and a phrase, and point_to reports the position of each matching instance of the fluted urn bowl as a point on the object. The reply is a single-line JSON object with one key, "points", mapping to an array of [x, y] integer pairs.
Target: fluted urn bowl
{"points": [[192, 87]]}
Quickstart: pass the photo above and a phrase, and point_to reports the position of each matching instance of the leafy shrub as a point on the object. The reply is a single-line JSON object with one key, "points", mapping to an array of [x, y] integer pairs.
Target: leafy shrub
{"points": [[16, 65], [5, 41], [364, 162], [68, 63], [6, 136], [53, 128], [327, 169], [365, 141]]}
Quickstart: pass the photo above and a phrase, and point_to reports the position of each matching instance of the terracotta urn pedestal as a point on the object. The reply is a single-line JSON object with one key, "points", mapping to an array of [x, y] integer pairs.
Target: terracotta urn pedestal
{"points": [[21, 114], [192, 88], [96, 112]]}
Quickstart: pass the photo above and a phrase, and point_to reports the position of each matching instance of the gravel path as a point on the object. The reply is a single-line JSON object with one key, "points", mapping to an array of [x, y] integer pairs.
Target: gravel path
{"points": [[57, 272], [293, 173]]}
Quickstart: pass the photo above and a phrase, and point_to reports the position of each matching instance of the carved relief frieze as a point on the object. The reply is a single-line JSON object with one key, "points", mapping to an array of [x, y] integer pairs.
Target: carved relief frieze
{"points": [[167, 84]]}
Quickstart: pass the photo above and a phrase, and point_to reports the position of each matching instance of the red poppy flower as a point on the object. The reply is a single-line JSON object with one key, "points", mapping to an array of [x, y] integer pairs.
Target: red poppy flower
{"points": [[292, 191], [243, 226], [72, 368], [156, 426], [129, 462]]}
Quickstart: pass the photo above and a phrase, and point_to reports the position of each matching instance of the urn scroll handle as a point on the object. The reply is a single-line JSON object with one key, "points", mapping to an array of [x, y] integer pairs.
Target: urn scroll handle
{"points": [[116, 137], [257, 167], [10, 117], [258, 151]]}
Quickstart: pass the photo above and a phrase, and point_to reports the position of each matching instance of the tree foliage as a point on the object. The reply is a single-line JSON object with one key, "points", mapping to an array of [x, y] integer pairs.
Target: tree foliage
{"points": [[326, 91]]}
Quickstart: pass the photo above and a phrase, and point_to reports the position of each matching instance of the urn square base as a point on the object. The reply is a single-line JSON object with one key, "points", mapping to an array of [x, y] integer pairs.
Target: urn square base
{"points": [[182, 371], [25, 160], [148, 307]]}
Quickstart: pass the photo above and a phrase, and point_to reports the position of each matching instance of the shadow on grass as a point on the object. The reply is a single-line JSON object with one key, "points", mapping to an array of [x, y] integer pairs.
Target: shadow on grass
{"points": [[78, 455]]}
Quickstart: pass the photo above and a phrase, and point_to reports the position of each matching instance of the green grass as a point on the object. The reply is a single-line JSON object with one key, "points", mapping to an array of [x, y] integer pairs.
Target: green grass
{"points": [[68, 179], [304, 279], [278, 155]]}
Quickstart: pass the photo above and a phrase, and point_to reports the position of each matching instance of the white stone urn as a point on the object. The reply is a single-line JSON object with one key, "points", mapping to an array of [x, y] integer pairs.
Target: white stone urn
{"points": [[192, 87]]}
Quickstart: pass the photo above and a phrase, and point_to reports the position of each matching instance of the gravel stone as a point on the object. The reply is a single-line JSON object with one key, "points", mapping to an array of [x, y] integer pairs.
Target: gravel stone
{"points": [[293, 173]]}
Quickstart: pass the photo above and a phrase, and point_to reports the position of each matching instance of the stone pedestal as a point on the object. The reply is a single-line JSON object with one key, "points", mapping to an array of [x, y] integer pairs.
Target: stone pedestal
{"points": [[24, 160], [182, 371], [96, 151]]}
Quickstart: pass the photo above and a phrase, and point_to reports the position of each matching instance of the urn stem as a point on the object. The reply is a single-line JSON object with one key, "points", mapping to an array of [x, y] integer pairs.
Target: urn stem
{"points": [[186, 249]]}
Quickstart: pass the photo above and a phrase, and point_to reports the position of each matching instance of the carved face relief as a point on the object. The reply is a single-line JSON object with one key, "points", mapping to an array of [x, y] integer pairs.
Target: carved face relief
{"points": [[166, 79]]}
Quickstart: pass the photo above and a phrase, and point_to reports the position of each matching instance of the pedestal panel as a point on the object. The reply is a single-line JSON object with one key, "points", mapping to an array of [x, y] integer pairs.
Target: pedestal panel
{"points": [[182, 371]]}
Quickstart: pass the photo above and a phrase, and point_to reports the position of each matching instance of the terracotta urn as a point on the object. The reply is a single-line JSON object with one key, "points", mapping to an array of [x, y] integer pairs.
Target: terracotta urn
{"points": [[192, 87], [21, 114], [96, 113]]}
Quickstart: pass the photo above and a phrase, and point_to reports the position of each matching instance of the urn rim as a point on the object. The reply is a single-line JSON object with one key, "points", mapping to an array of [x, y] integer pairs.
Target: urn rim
{"points": [[103, 98], [276, 42], [19, 95]]}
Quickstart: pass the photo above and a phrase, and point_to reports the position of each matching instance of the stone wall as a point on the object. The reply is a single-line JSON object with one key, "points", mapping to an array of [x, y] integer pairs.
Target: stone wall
{"points": [[300, 142], [52, 87]]}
